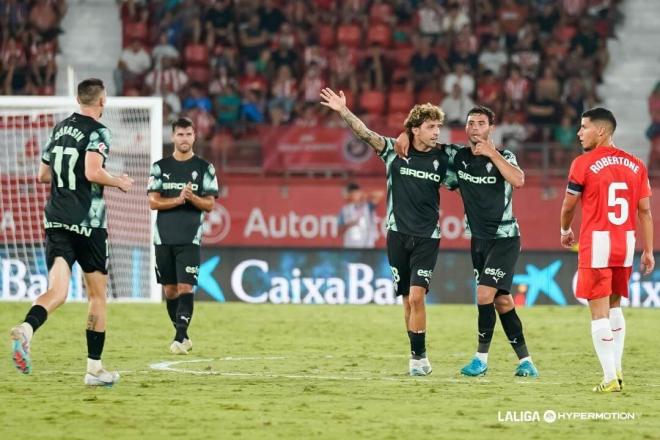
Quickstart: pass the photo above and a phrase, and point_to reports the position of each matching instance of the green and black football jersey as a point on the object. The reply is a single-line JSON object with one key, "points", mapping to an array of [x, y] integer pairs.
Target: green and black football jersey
{"points": [[183, 224], [487, 196], [75, 201], [413, 185]]}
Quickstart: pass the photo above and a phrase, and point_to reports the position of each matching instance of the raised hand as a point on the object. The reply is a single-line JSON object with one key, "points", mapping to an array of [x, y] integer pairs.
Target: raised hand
{"points": [[330, 99], [484, 147]]}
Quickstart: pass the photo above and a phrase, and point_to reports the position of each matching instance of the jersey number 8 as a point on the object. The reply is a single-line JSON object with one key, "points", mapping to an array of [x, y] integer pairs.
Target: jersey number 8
{"points": [[73, 154], [613, 201]]}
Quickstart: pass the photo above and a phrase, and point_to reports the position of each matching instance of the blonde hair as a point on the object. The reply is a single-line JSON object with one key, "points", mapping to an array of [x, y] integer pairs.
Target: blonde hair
{"points": [[423, 112]]}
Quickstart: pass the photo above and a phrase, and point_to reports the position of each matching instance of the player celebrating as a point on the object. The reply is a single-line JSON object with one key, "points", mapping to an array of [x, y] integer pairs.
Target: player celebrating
{"points": [[76, 227], [413, 209], [181, 188], [486, 178], [613, 186]]}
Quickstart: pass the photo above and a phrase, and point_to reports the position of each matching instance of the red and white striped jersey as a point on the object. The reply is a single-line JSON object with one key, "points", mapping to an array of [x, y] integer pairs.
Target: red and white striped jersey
{"points": [[611, 183]]}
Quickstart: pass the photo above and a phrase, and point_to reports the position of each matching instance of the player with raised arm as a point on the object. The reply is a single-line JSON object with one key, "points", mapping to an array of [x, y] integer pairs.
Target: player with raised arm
{"points": [[413, 202], [486, 178], [614, 188], [73, 162], [182, 187]]}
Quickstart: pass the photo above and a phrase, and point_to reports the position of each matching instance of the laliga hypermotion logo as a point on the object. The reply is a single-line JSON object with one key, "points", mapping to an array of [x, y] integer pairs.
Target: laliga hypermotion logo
{"points": [[216, 224]]}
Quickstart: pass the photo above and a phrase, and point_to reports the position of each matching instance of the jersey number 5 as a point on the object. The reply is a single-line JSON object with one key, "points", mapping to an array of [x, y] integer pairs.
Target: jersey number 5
{"points": [[73, 154], [614, 201]]}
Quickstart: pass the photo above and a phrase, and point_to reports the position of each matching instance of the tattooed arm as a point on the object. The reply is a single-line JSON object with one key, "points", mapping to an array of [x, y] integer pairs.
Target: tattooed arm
{"points": [[338, 103]]}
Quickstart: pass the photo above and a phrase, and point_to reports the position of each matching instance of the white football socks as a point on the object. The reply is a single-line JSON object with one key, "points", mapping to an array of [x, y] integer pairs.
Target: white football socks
{"points": [[618, 325], [483, 357], [601, 334], [94, 365]]}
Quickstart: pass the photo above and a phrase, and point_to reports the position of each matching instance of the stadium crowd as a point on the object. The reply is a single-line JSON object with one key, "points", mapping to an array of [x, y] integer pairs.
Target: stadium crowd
{"points": [[28, 39], [227, 64]]}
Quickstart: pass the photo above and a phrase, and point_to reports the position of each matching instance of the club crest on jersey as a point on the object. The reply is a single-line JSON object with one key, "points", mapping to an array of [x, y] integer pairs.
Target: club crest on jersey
{"points": [[194, 175], [436, 164], [489, 166]]}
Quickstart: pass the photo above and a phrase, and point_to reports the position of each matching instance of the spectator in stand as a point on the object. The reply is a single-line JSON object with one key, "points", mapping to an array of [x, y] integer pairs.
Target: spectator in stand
{"points": [[456, 105], [425, 66], [264, 64], [42, 61], [547, 17], [548, 86], [134, 62], [309, 116], [168, 78], [574, 97], [285, 37], [429, 16], [565, 136], [45, 17], [271, 17], [516, 87], [14, 68], [357, 220], [342, 70], [221, 80], [542, 109], [285, 92], [510, 133], [253, 37], [251, 80], [228, 106], [454, 19], [493, 58], [286, 55], [462, 78], [219, 23], [13, 16], [460, 54], [252, 107], [163, 50], [315, 54], [489, 92], [586, 37], [511, 17], [227, 57], [526, 55], [312, 84], [198, 99], [374, 67]]}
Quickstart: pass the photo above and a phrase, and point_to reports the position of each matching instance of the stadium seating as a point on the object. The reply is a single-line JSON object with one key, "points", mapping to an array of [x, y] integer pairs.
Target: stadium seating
{"points": [[394, 26]]}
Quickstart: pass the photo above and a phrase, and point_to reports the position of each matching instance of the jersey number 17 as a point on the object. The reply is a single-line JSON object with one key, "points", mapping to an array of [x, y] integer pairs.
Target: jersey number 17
{"points": [[73, 154]]}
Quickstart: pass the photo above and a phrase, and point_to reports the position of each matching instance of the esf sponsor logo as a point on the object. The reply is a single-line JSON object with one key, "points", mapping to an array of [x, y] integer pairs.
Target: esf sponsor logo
{"points": [[496, 273], [358, 287], [479, 180]]}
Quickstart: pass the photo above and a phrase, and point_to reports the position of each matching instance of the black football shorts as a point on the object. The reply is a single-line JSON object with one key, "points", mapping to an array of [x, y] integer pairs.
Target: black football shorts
{"points": [[412, 260]]}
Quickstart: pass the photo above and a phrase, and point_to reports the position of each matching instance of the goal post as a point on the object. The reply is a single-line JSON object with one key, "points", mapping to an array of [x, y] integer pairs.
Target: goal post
{"points": [[136, 128]]}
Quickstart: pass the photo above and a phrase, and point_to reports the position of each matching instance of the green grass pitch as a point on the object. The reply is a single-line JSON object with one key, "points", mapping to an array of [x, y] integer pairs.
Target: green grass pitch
{"points": [[298, 372]]}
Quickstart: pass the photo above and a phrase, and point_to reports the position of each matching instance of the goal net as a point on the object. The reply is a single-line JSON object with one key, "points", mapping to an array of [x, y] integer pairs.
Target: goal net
{"points": [[136, 140]]}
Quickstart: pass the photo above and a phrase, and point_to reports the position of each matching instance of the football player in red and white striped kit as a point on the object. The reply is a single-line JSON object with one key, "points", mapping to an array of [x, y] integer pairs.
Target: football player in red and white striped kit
{"points": [[614, 188]]}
